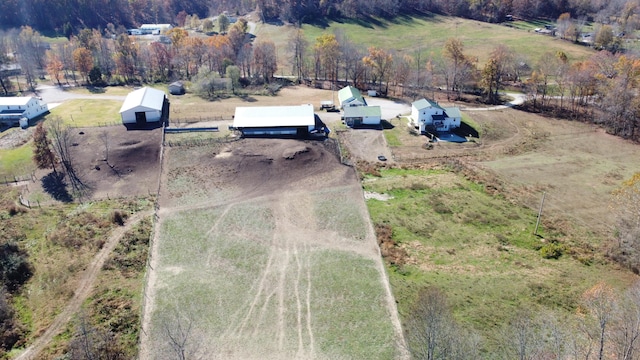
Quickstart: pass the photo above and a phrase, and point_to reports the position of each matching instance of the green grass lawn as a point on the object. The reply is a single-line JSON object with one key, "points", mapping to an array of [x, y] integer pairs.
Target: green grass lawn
{"points": [[16, 162], [426, 36], [479, 248], [88, 112]]}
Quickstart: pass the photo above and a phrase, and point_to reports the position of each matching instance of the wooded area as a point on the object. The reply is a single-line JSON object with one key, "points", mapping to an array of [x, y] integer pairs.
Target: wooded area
{"points": [[67, 17]]}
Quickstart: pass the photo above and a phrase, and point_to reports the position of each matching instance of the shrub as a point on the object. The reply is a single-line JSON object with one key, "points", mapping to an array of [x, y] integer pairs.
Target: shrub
{"points": [[552, 250], [80, 230], [118, 217], [15, 270]]}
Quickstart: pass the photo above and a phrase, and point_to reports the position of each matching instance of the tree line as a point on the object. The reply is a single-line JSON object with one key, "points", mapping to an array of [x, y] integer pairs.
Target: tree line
{"points": [[69, 17], [600, 89], [605, 325]]}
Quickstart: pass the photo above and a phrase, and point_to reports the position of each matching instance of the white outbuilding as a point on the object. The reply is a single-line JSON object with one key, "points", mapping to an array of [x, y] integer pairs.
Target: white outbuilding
{"points": [[362, 116], [20, 110], [144, 106], [350, 96], [289, 121]]}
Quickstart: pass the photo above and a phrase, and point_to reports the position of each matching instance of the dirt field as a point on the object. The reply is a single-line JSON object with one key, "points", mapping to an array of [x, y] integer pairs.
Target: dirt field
{"points": [[129, 168], [265, 248]]}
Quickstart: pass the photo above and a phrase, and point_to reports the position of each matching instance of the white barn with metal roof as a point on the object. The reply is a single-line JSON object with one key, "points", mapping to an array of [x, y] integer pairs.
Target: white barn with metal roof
{"points": [[297, 121], [143, 106]]}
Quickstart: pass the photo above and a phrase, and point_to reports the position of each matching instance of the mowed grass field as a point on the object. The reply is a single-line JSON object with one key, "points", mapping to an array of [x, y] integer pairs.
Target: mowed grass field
{"points": [[426, 35], [88, 112]]}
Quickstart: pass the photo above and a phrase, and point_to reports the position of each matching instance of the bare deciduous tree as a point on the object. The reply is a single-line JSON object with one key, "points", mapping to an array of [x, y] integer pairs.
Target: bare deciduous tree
{"points": [[61, 140], [181, 337], [432, 333]]}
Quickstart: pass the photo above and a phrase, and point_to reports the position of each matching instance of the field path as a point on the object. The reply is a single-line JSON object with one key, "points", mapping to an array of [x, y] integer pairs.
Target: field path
{"points": [[84, 289]]}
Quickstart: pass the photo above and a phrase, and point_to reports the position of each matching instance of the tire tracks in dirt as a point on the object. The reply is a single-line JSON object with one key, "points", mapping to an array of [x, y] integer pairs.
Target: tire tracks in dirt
{"points": [[83, 290]]}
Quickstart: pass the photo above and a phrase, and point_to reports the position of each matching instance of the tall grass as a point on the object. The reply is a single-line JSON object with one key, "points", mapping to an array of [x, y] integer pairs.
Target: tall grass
{"points": [[478, 248]]}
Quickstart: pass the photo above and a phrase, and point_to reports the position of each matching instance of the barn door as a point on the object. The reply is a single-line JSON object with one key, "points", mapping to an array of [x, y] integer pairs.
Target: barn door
{"points": [[141, 118]]}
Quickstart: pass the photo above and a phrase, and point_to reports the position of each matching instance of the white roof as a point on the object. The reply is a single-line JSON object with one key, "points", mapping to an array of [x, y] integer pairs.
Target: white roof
{"points": [[270, 116], [15, 101], [155, 26], [147, 97]]}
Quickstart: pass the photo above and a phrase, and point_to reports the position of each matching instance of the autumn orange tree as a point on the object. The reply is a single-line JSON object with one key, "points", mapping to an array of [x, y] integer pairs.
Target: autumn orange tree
{"points": [[126, 56], [54, 66], [83, 60], [380, 62], [457, 68]]}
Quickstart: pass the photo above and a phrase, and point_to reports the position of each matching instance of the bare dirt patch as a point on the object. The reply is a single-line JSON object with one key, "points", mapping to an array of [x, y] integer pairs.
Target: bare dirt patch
{"points": [[114, 162]]}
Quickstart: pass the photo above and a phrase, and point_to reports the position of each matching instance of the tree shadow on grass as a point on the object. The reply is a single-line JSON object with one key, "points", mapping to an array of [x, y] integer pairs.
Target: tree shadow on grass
{"points": [[54, 185]]}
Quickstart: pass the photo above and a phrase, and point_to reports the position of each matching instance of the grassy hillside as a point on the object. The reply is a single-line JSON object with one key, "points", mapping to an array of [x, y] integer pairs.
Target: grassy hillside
{"points": [[479, 248], [426, 35]]}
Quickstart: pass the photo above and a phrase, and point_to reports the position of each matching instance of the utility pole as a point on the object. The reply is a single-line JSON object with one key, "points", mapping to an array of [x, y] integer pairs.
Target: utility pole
{"points": [[539, 214]]}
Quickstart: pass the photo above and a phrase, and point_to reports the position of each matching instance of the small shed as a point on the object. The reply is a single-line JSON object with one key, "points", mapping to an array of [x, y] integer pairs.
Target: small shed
{"points": [[176, 88], [362, 116], [350, 96], [144, 106], [277, 121], [20, 110]]}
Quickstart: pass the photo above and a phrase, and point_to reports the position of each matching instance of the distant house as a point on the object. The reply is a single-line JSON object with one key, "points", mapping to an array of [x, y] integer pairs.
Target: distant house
{"points": [[277, 121], [427, 116], [350, 96], [176, 88], [358, 116], [144, 106], [19, 111], [13, 69]]}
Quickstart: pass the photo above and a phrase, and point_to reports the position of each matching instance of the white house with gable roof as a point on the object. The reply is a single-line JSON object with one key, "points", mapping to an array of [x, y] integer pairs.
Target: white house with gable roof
{"points": [[20, 110], [427, 116]]}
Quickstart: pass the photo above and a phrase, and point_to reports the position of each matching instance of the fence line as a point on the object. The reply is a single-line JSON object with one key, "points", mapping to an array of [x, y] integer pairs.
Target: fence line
{"points": [[199, 119], [195, 129], [100, 124], [152, 234], [17, 178]]}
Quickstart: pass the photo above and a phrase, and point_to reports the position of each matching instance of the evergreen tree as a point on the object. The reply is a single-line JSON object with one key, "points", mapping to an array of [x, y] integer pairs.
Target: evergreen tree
{"points": [[42, 154]]}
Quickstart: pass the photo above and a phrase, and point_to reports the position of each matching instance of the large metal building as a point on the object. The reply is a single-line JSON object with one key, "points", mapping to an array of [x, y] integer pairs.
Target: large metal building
{"points": [[144, 106], [278, 121]]}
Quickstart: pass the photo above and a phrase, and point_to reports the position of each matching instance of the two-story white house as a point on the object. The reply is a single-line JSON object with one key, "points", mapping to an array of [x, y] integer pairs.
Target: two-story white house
{"points": [[20, 110], [427, 116]]}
